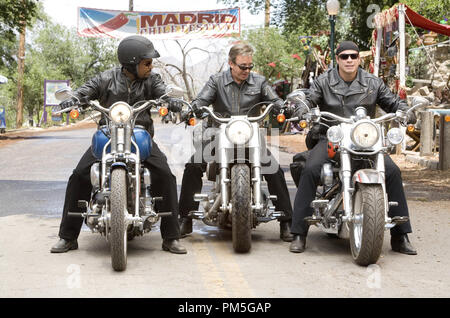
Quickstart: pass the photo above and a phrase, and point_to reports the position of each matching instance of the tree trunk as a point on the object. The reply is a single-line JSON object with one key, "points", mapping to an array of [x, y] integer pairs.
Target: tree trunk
{"points": [[21, 67], [267, 14]]}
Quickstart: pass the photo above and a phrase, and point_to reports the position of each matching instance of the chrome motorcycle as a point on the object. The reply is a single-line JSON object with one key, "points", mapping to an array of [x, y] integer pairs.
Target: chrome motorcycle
{"points": [[237, 198], [351, 199], [121, 206]]}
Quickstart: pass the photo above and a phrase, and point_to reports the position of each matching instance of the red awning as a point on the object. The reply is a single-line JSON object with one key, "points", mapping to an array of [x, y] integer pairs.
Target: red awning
{"points": [[421, 22]]}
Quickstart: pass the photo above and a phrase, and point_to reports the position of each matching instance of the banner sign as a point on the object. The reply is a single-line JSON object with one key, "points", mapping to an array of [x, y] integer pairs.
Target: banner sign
{"points": [[159, 25]]}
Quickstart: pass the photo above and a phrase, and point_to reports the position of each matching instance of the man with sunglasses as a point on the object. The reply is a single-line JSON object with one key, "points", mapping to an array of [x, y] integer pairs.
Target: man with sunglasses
{"points": [[234, 92], [341, 90], [132, 82]]}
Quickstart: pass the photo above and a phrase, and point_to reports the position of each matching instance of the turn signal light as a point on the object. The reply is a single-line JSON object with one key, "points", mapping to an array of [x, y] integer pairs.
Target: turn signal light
{"points": [[281, 118], [74, 114], [163, 111], [192, 121], [303, 124], [447, 118], [410, 128]]}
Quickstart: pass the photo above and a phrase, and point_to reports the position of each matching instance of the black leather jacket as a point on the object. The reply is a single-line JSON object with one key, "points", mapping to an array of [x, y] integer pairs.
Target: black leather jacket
{"points": [[332, 94], [229, 98], [113, 85]]}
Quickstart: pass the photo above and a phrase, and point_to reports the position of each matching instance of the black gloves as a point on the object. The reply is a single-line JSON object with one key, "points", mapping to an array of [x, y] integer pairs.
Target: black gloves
{"points": [[67, 103], [175, 105], [197, 111], [411, 118]]}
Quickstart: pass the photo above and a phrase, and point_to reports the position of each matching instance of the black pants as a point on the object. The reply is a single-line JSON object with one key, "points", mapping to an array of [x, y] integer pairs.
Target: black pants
{"points": [[192, 183], [163, 185], [310, 179]]}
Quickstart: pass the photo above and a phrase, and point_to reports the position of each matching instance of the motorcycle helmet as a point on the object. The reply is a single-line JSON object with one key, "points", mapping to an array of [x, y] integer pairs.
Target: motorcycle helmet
{"points": [[133, 49]]}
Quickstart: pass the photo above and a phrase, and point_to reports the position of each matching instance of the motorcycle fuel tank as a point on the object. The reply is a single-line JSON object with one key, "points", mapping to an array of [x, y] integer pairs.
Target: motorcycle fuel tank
{"points": [[140, 136]]}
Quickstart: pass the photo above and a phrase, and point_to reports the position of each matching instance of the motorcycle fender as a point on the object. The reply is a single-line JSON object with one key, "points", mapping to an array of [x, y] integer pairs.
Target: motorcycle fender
{"points": [[369, 176], [119, 165]]}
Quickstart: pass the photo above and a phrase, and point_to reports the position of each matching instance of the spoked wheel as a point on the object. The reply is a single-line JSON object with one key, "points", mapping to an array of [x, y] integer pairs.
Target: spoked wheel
{"points": [[367, 229], [241, 212], [118, 233]]}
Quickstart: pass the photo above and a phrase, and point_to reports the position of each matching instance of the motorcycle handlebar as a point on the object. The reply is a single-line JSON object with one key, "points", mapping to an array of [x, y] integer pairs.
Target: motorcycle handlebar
{"points": [[227, 120]]}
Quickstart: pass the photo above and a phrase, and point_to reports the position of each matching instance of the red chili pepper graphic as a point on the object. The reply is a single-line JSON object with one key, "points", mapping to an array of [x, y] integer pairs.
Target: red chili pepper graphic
{"points": [[110, 25]]}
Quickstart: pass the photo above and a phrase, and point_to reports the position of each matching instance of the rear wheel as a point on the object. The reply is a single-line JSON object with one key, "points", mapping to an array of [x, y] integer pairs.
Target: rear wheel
{"points": [[367, 229], [241, 212], [118, 233]]}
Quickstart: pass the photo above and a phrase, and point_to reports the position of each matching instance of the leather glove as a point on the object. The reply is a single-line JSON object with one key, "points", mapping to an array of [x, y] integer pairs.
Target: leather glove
{"points": [[197, 111], [175, 105], [411, 118], [277, 106], [67, 103]]}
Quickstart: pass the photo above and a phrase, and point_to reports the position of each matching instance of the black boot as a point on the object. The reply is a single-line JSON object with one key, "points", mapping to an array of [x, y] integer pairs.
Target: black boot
{"points": [[173, 246], [64, 245], [400, 243], [298, 244], [185, 226], [285, 231]]}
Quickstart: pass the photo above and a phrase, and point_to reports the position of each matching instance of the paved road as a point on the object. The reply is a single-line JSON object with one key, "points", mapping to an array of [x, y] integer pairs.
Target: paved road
{"points": [[32, 185]]}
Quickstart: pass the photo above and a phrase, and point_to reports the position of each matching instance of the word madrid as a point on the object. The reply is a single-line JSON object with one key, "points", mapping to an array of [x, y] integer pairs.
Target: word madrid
{"points": [[226, 307], [186, 22]]}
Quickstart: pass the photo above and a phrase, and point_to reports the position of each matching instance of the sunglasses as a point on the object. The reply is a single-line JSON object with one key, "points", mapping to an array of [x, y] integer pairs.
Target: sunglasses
{"points": [[344, 57], [244, 68], [148, 64]]}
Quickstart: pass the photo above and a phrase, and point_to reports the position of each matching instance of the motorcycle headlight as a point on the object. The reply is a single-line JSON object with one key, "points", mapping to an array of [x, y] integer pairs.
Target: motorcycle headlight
{"points": [[239, 132], [365, 135], [120, 112], [334, 134], [395, 136]]}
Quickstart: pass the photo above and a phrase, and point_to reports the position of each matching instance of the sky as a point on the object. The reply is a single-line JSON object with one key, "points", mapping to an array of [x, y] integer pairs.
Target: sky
{"points": [[66, 12]]}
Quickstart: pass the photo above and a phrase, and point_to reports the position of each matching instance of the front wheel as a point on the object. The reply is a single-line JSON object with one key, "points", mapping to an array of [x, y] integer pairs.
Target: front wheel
{"points": [[366, 231], [118, 233], [241, 208]]}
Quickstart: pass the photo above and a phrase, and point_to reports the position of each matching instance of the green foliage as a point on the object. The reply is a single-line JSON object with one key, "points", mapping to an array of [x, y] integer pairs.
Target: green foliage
{"points": [[280, 52]]}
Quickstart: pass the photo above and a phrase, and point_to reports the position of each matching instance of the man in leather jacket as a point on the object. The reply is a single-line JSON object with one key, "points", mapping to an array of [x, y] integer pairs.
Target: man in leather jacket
{"points": [[340, 91], [130, 83], [234, 92]]}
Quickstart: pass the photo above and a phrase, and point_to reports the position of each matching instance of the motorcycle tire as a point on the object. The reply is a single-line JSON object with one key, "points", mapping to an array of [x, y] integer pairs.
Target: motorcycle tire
{"points": [[367, 231], [118, 233], [241, 208]]}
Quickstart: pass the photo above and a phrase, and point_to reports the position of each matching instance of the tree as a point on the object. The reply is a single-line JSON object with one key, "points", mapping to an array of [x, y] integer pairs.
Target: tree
{"points": [[254, 6], [279, 56], [14, 14]]}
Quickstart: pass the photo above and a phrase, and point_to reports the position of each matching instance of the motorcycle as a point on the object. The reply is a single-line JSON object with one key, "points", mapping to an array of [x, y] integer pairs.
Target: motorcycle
{"points": [[351, 199], [237, 199], [121, 206]]}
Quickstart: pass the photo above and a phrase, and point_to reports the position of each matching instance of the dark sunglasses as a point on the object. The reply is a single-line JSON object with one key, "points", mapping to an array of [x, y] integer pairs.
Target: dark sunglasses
{"points": [[244, 68], [344, 57], [148, 64]]}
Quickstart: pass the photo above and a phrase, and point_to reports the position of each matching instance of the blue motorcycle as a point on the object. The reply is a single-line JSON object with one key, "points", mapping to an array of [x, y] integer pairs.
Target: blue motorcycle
{"points": [[121, 206]]}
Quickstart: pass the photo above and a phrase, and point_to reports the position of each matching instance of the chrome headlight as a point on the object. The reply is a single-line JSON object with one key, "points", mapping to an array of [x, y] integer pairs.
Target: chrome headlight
{"points": [[239, 132], [120, 112], [395, 136], [335, 134], [365, 135]]}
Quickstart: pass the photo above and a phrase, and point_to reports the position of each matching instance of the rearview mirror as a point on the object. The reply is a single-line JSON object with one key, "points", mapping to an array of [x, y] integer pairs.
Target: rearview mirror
{"points": [[418, 102], [64, 93], [174, 91]]}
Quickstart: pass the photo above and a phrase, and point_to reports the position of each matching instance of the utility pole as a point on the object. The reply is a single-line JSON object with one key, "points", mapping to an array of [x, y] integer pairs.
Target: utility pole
{"points": [[20, 71], [130, 5]]}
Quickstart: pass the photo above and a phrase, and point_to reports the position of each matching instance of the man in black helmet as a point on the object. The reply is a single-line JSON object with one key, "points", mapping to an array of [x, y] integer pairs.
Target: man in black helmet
{"points": [[130, 83]]}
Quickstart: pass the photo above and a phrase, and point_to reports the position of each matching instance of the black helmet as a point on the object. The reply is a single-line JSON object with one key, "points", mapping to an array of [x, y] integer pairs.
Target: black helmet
{"points": [[135, 48]]}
